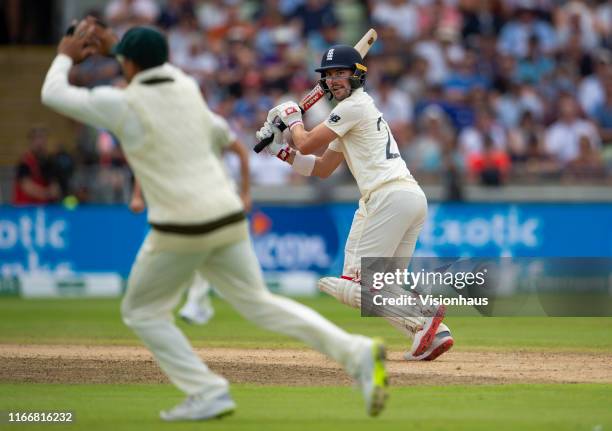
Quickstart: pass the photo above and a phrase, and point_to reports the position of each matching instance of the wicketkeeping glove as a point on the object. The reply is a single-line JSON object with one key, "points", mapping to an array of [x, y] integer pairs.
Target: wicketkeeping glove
{"points": [[289, 113], [277, 147]]}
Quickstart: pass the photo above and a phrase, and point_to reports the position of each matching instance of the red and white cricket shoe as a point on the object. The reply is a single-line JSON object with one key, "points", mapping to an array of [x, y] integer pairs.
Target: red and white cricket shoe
{"points": [[425, 336], [442, 343]]}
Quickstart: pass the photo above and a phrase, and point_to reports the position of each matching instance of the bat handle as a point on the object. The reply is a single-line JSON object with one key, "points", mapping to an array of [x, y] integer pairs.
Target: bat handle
{"points": [[267, 141]]}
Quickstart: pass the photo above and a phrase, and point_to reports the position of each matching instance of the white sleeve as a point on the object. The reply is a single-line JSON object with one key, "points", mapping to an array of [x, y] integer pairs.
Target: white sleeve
{"points": [[336, 146], [104, 106], [343, 117], [224, 136]]}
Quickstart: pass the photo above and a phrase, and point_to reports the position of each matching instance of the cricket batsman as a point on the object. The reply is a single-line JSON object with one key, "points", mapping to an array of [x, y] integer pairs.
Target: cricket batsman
{"points": [[197, 219], [392, 208]]}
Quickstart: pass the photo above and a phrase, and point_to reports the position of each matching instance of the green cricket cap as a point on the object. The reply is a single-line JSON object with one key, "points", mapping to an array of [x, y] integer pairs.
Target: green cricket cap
{"points": [[145, 46]]}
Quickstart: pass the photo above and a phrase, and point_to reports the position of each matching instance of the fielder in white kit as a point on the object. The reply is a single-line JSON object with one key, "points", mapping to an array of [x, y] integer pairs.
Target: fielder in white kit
{"points": [[198, 308], [197, 219], [393, 207]]}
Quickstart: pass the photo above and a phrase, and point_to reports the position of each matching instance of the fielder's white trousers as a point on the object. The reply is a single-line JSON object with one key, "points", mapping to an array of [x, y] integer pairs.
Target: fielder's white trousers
{"points": [[164, 265], [198, 290], [386, 224]]}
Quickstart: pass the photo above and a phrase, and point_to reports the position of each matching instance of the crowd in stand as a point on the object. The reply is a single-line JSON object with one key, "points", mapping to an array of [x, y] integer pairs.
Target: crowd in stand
{"points": [[482, 91]]}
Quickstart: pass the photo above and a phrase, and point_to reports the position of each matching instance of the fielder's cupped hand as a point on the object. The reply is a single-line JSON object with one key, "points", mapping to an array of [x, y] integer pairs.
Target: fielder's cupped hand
{"points": [[80, 44], [289, 113], [87, 37], [277, 147]]}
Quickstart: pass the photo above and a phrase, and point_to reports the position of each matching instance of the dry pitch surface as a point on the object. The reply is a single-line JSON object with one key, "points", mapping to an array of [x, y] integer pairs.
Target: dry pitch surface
{"points": [[126, 364]]}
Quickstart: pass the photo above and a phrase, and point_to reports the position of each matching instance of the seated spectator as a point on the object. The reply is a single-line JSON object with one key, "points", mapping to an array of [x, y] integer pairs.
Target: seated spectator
{"points": [[181, 37], [491, 166], [562, 140], [485, 18], [588, 164], [34, 182], [590, 90], [435, 133], [123, 14], [173, 11], [439, 14], [576, 17], [602, 114], [401, 15], [535, 66], [515, 33], [524, 137], [312, 14], [465, 76], [396, 107], [472, 139]]}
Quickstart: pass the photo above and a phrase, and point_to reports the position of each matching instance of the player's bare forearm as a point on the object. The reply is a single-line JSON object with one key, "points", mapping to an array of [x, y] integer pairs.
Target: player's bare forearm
{"points": [[309, 142], [137, 203]]}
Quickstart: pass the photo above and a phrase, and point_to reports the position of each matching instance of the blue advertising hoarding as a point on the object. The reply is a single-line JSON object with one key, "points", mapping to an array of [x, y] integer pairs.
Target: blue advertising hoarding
{"points": [[300, 238]]}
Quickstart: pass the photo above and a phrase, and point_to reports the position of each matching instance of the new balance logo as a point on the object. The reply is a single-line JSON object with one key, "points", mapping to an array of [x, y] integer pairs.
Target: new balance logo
{"points": [[330, 54], [334, 118]]}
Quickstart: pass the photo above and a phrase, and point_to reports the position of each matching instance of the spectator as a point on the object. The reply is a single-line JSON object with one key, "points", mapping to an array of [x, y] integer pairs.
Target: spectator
{"points": [[123, 14], [603, 114], [525, 138], [181, 37], [465, 76], [515, 34], [483, 20], [535, 66], [435, 134], [173, 11], [312, 14], [34, 182], [415, 79], [590, 90], [588, 165], [491, 166], [439, 49], [577, 18], [562, 140], [472, 139], [402, 16], [63, 170], [603, 119], [396, 107], [439, 14]]}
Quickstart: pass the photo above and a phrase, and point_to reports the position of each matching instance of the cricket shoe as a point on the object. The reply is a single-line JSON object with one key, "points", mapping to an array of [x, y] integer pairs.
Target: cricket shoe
{"points": [[424, 337], [199, 408], [442, 343], [197, 314], [372, 377]]}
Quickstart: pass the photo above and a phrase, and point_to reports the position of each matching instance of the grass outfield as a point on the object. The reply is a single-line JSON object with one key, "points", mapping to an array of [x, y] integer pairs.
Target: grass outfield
{"points": [[512, 407], [424, 408], [97, 321]]}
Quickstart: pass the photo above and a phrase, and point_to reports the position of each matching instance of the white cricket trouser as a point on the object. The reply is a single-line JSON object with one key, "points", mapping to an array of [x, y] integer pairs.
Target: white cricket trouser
{"points": [[387, 224], [199, 289], [164, 265]]}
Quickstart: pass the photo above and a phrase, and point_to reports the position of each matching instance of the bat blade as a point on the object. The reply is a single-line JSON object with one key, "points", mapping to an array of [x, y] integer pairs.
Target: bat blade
{"points": [[366, 42]]}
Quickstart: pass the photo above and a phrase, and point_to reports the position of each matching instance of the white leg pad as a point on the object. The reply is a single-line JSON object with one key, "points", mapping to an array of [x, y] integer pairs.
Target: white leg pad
{"points": [[346, 291], [407, 325]]}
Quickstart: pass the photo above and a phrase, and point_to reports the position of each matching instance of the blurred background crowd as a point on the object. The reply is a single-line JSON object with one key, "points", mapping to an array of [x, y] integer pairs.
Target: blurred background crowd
{"points": [[489, 92]]}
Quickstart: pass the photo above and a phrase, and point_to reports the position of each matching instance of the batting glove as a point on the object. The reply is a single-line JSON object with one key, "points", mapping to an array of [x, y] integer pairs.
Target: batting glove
{"points": [[288, 112], [277, 147]]}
